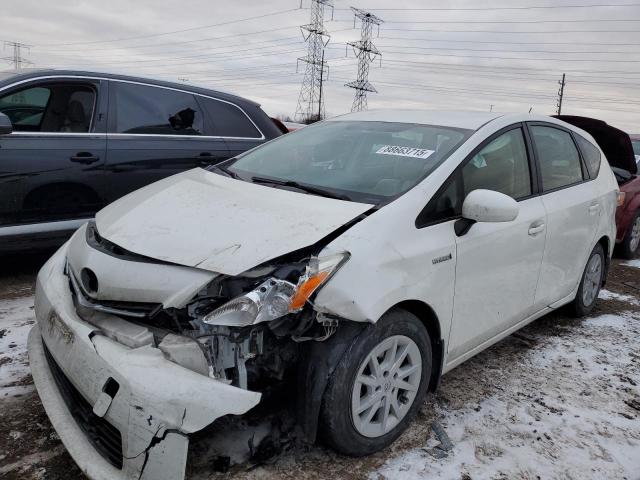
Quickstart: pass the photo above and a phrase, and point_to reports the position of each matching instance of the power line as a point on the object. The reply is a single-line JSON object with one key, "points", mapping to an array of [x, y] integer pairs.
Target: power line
{"points": [[546, 32], [192, 29], [367, 52], [473, 67], [422, 39], [574, 20], [529, 7], [609, 52], [547, 59]]}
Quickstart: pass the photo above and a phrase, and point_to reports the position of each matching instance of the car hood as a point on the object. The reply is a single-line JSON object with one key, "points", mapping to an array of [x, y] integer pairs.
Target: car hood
{"points": [[201, 219], [615, 143]]}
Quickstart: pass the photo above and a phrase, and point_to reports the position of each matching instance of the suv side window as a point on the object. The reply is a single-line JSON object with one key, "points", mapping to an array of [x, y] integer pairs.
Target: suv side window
{"points": [[51, 108], [501, 165], [558, 157], [591, 155], [142, 109], [227, 120]]}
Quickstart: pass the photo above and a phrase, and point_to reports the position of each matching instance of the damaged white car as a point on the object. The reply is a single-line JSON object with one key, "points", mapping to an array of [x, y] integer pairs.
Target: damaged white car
{"points": [[358, 259]]}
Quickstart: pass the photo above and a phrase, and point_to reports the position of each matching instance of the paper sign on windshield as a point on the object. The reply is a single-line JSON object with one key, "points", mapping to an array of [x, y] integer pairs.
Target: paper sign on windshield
{"points": [[405, 151]]}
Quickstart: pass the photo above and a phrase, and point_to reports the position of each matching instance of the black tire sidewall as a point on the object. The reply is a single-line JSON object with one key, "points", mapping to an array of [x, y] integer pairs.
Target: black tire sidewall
{"points": [[626, 243], [336, 424], [579, 307]]}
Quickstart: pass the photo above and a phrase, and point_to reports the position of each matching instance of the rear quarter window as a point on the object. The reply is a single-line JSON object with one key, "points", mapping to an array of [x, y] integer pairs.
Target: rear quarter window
{"points": [[591, 155], [227, 120]]}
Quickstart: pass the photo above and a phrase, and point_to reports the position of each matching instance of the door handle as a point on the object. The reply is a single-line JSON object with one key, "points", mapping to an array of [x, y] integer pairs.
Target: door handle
{"points": [[86, 158], [205, 158], [536, 228], [593, 208]]}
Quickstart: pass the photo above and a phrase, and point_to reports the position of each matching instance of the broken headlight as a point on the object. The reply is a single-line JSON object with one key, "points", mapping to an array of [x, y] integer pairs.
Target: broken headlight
{"points": [[275, 298]]}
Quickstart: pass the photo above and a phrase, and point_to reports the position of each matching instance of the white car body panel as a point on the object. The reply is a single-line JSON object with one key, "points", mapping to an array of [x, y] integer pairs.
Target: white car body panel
{"points": [[172, 285], [575, 216], [497, 272], [205, 220]]}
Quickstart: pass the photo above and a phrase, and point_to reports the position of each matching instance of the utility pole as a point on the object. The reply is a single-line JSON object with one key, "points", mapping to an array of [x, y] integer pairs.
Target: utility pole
{"points": [[366, 53], [17, 59], [310, 102], [320, 104], [560, 94]]}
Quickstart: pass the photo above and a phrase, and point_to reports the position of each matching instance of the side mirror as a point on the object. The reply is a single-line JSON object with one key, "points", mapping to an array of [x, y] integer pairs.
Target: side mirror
{"points": [[5, 125], [486, 206]]}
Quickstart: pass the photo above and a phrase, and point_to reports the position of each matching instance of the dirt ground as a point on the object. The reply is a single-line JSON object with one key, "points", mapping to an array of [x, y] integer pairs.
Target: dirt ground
{"points": [[558, 399]]}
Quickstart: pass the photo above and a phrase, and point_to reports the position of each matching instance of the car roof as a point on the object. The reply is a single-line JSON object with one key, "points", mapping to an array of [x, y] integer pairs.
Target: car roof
{"points": [[7, 78], [445, 118]]}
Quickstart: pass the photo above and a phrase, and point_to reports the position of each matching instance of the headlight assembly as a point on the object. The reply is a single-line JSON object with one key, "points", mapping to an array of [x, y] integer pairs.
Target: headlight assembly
{"points": [[275, 298]]}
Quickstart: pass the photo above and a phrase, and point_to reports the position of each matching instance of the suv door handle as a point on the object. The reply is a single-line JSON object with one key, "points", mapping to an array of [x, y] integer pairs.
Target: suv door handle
{"points": [[86, 158], [205, 158], [593, 208], [536, 228]]}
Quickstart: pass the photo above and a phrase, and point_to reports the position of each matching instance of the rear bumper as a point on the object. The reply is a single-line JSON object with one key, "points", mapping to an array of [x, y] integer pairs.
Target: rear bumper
{"points": [[153, 403]]}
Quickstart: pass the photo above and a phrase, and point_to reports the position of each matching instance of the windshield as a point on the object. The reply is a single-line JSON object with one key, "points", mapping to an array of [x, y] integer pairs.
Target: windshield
{"points": [[369, 162]]}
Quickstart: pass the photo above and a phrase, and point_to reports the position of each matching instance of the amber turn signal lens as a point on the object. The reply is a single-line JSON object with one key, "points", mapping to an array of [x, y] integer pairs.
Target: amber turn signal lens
{"points": [[621, 198], [305, 290]]}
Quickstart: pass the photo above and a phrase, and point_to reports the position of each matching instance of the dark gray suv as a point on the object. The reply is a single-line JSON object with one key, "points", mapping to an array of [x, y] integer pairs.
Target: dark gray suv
{"points": [[71, 142]]}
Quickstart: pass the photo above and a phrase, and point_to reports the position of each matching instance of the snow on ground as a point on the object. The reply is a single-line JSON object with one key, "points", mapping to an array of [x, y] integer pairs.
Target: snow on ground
{"points": [[578, 419], [16, 319], [632, 263], [608, 295]]}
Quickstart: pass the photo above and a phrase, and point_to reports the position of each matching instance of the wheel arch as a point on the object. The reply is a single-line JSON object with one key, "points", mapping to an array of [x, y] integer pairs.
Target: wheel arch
{"points": [[429, 319], [607, 246], [39, 194]]}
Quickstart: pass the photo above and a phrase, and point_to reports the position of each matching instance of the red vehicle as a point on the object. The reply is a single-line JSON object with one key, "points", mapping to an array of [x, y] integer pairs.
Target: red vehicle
{"points": [[621, 154]]}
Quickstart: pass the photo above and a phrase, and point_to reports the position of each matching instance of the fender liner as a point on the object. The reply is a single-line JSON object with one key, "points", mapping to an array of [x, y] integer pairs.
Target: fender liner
{"points": [[319, 361]]}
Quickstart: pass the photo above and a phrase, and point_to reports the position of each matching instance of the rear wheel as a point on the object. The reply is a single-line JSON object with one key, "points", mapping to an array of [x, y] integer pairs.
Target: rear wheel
{"points": [[378, 386], [631, 242], [591, 282]]}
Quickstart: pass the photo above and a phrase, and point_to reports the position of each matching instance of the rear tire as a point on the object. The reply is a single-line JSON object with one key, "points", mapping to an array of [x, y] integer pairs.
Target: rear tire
{"points": [[590, 284], [371, 398], [631, 243]]}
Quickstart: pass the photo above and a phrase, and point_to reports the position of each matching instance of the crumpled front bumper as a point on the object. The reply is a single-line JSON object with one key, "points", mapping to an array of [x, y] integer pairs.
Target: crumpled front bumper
{"points": [[153, 403]]}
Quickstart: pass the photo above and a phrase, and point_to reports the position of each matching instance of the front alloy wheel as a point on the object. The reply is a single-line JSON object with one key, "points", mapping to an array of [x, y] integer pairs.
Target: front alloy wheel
{"points": [[378, 385], [386, 386]]}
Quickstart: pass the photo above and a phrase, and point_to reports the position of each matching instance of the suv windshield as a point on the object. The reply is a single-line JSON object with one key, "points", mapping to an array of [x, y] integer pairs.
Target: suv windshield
{"points": [[369, 162]]}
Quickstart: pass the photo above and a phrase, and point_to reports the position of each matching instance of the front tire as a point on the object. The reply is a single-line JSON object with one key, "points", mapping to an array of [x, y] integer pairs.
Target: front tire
{"points": [[590, 284], [378, 386], [631, 243]]}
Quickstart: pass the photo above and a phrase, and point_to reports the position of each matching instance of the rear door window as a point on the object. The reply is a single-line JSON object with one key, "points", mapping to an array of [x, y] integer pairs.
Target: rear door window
{"points": [[143, 109], [227, 120], [591, 155], [558, 157]]}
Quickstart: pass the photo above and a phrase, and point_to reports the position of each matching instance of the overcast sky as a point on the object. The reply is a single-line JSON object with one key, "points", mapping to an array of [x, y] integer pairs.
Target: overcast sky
{"points": [[461, 54]]}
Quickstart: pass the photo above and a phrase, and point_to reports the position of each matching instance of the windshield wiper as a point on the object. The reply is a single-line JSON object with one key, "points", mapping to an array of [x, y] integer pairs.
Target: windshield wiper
{"points": [[306, 188], [225, 169]]}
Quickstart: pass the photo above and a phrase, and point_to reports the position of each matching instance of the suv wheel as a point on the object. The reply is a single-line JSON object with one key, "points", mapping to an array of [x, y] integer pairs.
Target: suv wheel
{"points": [[378, 386], [631, 242], [590, 284]]}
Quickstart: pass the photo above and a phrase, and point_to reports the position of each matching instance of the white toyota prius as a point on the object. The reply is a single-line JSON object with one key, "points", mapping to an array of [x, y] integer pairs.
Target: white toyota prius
{"points": [[353, 263]]}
